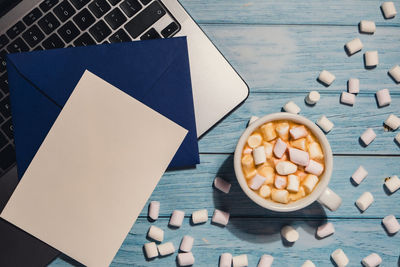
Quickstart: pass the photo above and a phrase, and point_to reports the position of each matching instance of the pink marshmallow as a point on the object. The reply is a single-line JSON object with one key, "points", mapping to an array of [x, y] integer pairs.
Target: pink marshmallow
{"points": [[298, 132], [383, 97], [368, 136], [280, 148], [314, 168], [222, 185], [220, 217], [347, 98], [257, 182], [299, 157], [359, 175]]}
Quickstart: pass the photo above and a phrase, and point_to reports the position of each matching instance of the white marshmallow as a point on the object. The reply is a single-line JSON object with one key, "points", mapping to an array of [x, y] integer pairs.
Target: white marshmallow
{"points": [[325, 124], [367, 26], [279, 148], [283, 130], [372, 260], [330, 199], [254, 140], [393, 122], [312, 98], [315, 151], [340, 258], [225, 260], [291, 107], [281, 196], [222, 185], [185, 259], [392, 183], [314, 167], [298, 132], [326, 77], [364, 201], [299, 157], [371, 58], [257, 181], [280, 182], [353, 86], [310, 182], [200, 216], [383, 97], [265, 261], [166, 249], [347, 98], [151, 250], [268, 131], [308, 263], [293, 183], [285, 167], [252, 119], [156, 233], [176, 218], [259, 155], [289, 233], [368, 136], [389, 10], [154, 210], [359, 175], [354, 46], [265, 191], [186, 243], [325, 230], [391, 224], [220, 217], [240, 261], [395, 73], [397, 138]]}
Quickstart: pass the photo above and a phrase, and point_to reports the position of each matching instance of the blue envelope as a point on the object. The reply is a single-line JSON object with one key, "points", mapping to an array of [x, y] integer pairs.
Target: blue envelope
{"points": [[155, 72]]}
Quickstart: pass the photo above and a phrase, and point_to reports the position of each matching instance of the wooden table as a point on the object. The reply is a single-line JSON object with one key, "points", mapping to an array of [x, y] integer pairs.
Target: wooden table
{"points": [[279, 47]]}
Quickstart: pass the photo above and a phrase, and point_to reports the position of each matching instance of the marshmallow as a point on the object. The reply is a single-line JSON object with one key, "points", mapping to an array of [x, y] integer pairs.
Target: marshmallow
{"points": [[315, 168], [359, 175], [249, 173], [392, 183], [256, 182], [364, 201], [155, 233], [391, 224], [265, 261], [283, 130], [372, 260], [289, 233], [220, 217], [389, 10], [315, 151], [254, 140], [393, 122], [383, 97], [166, 249], [281, 196], [200, 216], [347, 98], [154, 210], [330, 199], [186, 243], [293, 183], [397, 138], [252, 119], [368, 136], [267, 172], [279, 148], [240, 261], [248, 162], [310, 182], [225, 260], [371, 59], [340, 258], [176, 218], [325, 230], [222, 185], [247, 150], [298, 132], [298, 157], [291, 107], [280, 182], [367, 26], [268, 147], [265, 191], [353, 86], [308, 263], [268, 131], [325, 124], [395, 73], [326, 77], [259, 155], [185, 259], [312, 98], [299, 143], [151, 250], [286, 167], [354, 46]]}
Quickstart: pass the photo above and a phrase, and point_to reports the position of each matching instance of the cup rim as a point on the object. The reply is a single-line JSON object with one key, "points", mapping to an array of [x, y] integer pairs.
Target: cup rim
{"points": [[324, 179]]}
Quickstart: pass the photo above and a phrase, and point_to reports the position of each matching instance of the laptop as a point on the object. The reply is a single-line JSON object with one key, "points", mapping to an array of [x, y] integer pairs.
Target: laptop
{"points": [[28, 25]]}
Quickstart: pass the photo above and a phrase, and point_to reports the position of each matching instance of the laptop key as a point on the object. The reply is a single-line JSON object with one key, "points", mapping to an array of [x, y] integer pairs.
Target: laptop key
{"points": [[49, 23], [3, 41], [53, 42], [119, 37], [47, 5], [84, 40], [8, 129], [64, 11], [68, 32], [145, 2], [33, 36], [3, 62], [78, 4], [18, 45], [4, 84], [130, 7], [84, 19], [7, 157], [145, 19], [32, 16], [3, 140], [170, 30], [38, 48], [100, 31], [114, 2], [99, 7], [15, 30], [115, 18], [5, 109], [150, 34]]}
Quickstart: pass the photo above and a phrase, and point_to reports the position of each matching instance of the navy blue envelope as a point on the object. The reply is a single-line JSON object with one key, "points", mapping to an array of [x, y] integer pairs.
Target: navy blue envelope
{"points": [[155, 72]]}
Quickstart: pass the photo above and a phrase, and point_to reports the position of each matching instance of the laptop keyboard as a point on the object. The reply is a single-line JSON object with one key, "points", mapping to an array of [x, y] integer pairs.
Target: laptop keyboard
{"points": [[69, 23]]}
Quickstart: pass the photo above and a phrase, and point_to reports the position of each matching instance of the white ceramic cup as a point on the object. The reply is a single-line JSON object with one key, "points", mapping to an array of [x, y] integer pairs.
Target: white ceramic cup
{"points": [[321, 193]]}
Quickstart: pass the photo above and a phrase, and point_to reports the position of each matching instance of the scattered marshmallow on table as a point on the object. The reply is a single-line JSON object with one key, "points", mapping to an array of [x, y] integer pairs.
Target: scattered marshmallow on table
{"points": [[186, 243], [367, 26], [200, 216], [397, 138], [240, 261], [310, 182], [325, 124], [279, 148], [312, 98], [185, 259], [393, 122], [151, 250], [389, 10], [289, 234], [353, 86], [354, 46], [220, 217], [259, 155], [391, 224], [395, 73], [225, 260], [371, 58], [257, 181], [265, 261], [222, 185], [347, 98], [326, 77], [359, 175], [252, 119], [176, 218], [285, 168], [299, 157], [291, 107], [308, 263], [314, 167], [325, 230], [156, 233], [340, 258], [372, 260], [364, 201], [368, 136], [383, 97], [392, 183], [166, 249], [154, 210]]}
